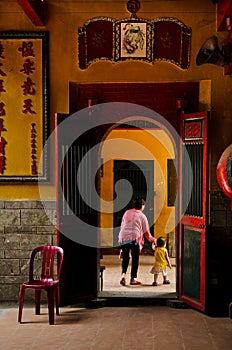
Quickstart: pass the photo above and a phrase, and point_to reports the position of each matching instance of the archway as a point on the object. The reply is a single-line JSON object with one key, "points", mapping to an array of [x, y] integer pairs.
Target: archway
{"points": [[142, 99]]}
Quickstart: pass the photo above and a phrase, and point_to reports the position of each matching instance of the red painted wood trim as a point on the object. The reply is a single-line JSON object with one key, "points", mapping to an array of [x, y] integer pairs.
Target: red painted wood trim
{"points": [[57, 190], [224, 10], [195, 223], [34, 9]]}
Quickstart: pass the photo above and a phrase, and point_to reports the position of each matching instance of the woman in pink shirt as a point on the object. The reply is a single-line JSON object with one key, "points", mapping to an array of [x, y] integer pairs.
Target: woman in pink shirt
{"points": [[134, 227]]}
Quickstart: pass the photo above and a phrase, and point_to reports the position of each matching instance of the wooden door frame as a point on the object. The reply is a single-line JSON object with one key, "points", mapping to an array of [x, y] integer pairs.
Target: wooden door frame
{"points": [[160, 97]]}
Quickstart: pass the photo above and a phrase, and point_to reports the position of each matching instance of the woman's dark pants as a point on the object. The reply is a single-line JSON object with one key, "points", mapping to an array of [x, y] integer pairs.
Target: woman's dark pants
{"points": [[134, 249]]}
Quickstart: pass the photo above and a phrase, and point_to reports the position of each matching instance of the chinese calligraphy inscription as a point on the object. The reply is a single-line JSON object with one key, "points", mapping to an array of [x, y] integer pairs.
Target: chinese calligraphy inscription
{"points": [[23, 105]]}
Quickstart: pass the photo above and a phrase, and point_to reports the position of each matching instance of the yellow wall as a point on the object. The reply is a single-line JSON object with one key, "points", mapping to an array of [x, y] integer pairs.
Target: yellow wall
{"points": [[63, 18], [137, 145]]}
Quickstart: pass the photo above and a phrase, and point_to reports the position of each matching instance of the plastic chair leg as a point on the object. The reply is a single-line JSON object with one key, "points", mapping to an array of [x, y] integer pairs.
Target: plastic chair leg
{"points": [[21, 302], [37, 301], [50, 297], [57, 300]]}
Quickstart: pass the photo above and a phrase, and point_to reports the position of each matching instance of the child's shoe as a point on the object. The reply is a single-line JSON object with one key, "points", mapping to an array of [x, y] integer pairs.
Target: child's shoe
{"points": [[154, 284], [166, 282]]}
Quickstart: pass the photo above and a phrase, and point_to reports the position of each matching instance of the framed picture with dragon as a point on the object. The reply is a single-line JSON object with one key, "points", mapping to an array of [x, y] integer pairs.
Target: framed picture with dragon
{"points": [[133, 40]]}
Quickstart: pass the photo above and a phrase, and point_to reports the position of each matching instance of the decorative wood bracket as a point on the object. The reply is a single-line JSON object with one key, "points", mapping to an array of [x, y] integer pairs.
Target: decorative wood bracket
{"points": [[35, 10]]}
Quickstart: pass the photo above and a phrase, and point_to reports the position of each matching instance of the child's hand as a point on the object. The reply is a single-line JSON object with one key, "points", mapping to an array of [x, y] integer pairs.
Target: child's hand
{"points": [[153, 245]]}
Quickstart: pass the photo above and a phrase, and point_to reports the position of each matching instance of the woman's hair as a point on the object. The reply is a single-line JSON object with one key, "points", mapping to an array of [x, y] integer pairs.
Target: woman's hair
{"points": [[138, 203], [161, 242]]}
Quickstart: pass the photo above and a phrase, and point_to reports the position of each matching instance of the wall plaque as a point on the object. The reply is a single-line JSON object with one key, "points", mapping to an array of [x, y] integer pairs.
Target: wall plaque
{"points": [[23, 105]]}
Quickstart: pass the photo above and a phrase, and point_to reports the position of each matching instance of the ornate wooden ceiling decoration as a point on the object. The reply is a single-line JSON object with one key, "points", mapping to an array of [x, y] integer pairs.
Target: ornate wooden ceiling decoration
{"points": [[162, 39]]}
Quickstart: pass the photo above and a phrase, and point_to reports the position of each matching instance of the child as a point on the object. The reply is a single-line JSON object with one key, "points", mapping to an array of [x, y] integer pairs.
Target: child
{"points": [[161, 261]]}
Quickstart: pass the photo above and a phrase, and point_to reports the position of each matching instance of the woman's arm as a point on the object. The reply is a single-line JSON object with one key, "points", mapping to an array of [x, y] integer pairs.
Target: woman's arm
{"points": [[149, 237], [146, 230]]}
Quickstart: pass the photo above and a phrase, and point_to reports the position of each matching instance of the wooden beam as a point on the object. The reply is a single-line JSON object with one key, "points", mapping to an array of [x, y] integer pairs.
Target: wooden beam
{"points": [[34, 9]]}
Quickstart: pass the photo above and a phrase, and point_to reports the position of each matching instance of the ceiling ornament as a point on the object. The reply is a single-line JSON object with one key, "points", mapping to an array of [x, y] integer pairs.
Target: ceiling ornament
{"points": [[161, 39]]}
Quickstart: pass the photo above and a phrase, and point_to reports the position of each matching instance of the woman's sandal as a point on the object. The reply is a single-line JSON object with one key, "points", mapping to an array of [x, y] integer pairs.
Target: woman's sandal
{"points": [[123, 281], [134, 283]]}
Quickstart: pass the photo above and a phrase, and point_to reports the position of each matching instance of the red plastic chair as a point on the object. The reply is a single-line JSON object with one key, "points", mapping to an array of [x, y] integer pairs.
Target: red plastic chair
{"points": [[45, 282]]}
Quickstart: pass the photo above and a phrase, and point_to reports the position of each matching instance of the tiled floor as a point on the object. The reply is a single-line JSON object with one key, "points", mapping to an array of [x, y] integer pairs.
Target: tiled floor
{"points": [[119, 328], [148, 327]]}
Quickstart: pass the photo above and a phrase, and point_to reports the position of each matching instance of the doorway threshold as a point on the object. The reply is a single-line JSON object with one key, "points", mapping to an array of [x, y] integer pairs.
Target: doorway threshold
{"points": [[136, 299], [138, 295]]}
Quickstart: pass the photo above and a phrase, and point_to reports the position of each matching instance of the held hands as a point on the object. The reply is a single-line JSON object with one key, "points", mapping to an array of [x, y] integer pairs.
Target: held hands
{"points": [[153, 244]]}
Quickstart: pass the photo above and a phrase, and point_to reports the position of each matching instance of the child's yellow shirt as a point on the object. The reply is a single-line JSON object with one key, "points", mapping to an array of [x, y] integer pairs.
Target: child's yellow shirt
{"points": [[160, 259]]}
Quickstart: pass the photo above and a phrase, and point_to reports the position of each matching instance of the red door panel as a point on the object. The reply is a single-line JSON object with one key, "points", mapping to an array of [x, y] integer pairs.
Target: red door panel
{"points": [[193, 195]]}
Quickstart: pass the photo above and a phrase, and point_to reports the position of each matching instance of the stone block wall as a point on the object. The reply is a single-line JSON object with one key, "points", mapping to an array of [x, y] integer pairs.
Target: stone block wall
{"points": [[24, 225]]}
